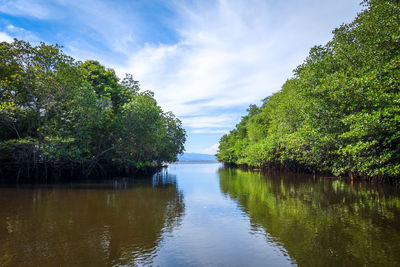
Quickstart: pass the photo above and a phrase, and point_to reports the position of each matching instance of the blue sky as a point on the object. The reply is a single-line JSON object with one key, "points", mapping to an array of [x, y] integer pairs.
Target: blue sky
{"points": [[206, 61]]}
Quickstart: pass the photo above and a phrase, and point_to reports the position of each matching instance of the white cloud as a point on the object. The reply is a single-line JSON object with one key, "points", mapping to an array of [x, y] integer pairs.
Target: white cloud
{"points": [[227, 54], [25, 8], [218, 121], [210, 150], [106, 22], [22, 34], [209, 131], [4, 37], [231, 53]]}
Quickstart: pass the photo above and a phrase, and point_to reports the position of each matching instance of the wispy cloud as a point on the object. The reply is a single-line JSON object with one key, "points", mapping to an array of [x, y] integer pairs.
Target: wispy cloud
{"points": [[25, 8], [22, 34], [211, 149], [205, 60], [112, 26], [231, 53], [218, 121], [209, 131], [106, 22], [4, 37]]}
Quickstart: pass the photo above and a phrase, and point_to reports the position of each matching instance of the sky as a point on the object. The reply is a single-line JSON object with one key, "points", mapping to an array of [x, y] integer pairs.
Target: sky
{"points": [[205, 60]]}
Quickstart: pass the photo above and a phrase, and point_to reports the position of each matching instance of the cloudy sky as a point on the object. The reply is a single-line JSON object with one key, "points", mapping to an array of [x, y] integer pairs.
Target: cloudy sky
{"points": [[206, 60]]}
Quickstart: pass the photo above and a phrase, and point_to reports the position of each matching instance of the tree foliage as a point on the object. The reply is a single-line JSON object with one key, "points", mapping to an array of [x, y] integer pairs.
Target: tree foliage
{"points": [[56, 111], [340, 113]]}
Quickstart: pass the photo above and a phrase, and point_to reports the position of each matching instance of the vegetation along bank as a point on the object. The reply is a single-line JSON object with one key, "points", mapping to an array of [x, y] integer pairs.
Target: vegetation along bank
{"points": [[60, 117], [339, 113]]}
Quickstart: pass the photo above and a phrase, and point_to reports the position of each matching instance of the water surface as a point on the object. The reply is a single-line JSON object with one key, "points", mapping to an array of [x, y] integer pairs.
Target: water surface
{"points": [[201, 215]]}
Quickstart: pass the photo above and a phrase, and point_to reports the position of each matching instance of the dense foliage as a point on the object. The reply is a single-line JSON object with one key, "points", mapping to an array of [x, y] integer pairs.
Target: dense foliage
{"points": [[340, 113], [56, 112]]}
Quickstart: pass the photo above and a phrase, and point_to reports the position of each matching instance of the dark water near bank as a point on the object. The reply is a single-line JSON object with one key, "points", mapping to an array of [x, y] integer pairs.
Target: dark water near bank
{"points": [[201, 215]]}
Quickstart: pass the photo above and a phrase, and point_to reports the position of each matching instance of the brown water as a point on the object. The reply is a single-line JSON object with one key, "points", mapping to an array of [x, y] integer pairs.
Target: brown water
{"points": [[201, 215]]}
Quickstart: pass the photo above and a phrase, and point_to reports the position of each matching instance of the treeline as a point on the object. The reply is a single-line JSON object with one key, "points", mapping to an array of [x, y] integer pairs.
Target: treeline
{"points": [[340, 113], [59, 114]]}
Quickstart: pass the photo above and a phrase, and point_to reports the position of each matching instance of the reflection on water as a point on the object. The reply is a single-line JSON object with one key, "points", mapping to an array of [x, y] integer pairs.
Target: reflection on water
{"points": [[201, 215], [91, 224], [320, 221]]}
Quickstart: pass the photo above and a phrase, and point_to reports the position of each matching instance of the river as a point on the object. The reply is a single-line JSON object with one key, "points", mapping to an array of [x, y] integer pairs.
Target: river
{"points": [[201, 215]]}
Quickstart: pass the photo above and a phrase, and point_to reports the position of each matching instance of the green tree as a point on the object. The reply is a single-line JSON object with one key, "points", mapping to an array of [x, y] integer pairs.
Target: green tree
{"points": [[57, 112], [340, 111]]}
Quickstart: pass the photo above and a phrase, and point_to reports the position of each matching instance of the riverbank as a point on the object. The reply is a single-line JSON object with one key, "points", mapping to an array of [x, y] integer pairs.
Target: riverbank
{"points": [[44, 172], [298, 169]]}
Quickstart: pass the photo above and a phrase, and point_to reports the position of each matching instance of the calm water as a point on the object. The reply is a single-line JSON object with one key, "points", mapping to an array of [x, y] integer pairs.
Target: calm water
{"points": [[201, 215]]}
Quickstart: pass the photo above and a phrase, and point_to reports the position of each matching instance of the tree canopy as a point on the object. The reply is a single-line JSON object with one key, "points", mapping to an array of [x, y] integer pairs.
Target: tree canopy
{"points": [[340, 112], [57, 112]]}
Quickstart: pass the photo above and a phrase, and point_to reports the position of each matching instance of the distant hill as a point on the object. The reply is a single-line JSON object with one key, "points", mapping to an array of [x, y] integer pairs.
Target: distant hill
{"points": [[197, 157]]}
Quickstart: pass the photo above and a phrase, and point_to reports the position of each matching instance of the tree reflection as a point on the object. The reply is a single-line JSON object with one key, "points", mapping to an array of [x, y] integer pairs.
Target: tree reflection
{"points": [[320, 221], [115, 223]]}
